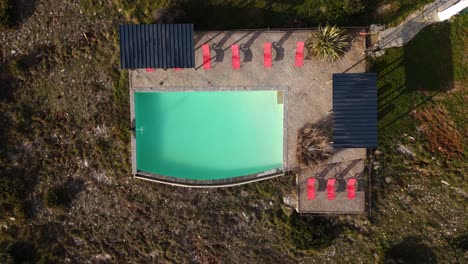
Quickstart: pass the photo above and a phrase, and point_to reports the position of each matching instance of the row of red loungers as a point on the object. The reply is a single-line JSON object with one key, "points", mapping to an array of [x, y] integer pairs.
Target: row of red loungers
{"points": [[266, 55], [350, 188], [236, 57]]}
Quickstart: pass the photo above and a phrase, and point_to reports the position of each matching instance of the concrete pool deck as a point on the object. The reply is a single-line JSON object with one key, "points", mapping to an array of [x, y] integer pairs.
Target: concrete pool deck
{"points": [[309, 88], [345, 164]]}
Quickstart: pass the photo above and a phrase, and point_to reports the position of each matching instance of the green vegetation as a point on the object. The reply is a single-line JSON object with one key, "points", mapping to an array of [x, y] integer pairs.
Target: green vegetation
{"points": [[264, 14], [411, 250], [257, 13], [242, 14], [327, 43], [64, 123], [14, 12], [313, 232], [22, 251], [12, 191], [39, 250], [57, 197], [422, 105], [4, 13], [409, 78]]}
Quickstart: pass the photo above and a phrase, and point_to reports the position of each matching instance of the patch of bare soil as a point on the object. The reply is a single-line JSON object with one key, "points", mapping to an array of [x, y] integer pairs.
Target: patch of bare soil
{"points": [[440, 131], [387, 8]]}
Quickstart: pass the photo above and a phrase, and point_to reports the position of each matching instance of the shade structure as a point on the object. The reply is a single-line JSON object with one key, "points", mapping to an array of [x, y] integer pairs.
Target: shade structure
{"points": [[157, 46], [355, 110]]}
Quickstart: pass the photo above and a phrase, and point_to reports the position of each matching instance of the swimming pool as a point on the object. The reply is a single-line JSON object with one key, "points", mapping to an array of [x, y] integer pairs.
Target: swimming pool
{"points": [[208, 135]]}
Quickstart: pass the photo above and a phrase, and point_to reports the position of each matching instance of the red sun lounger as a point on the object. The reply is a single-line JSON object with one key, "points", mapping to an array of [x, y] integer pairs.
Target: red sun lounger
{"points": [[267, 55], [177, 69], [300, 54], [331, 189], [235, 56], [351, 186], [206, 56], [310, 188], [149, 70]]}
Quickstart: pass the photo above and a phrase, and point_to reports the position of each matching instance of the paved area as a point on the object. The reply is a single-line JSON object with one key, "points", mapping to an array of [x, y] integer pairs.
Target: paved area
{"points": [[345, 164], [309, 88], [400, 35]]}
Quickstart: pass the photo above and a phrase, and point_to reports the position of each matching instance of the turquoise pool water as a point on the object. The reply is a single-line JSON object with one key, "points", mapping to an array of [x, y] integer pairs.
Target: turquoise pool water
{"points": [[208, 135]]}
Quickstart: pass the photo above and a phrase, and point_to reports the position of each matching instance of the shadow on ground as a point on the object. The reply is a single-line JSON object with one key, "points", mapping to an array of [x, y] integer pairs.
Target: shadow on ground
{"points": [[411, 76], [63, 195], [8, 84], [41, 247], [408, 79], [235, 14], [461, 242], [19, 11], [410, 250], [313, 232]]}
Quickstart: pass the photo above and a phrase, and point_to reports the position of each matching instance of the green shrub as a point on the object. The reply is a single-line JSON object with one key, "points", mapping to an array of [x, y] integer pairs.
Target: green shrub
{"points": [[22, 251], [57, 197], [327, 43], [461, 242], [47, 257], [411, 250], [5, 8], [6, 258], [11, 188], [12, 191], [312, 232]]}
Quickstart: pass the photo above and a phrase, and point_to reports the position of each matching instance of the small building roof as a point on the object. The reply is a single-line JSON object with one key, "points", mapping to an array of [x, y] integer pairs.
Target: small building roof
{"points": [[355, 110], [160, 46]]}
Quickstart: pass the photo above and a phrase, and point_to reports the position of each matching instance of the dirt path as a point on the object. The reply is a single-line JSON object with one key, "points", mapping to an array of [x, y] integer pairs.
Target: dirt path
{"points": [[401, 34]]}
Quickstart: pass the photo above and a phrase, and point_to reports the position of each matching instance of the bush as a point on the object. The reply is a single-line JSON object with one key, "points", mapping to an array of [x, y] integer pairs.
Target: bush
{"points": [[461, 242], [47, 257], [312, 146], [12, 192], [5, 8], [410, 250], [327, 43], [6, 258], [22, 251], [312, 232], [57, 197]]}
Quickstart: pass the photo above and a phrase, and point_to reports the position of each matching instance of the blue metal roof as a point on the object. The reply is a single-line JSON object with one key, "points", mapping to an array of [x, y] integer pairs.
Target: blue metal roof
{"points": [[157, 46], [355, 110]]}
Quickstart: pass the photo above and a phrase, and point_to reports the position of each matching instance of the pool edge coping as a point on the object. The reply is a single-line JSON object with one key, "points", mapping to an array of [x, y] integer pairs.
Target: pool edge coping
{"points": [[228, 182]]}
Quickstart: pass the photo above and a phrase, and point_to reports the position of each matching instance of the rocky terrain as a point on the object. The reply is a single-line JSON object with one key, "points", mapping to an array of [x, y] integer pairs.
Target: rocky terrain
{"points": [[66, 193]]}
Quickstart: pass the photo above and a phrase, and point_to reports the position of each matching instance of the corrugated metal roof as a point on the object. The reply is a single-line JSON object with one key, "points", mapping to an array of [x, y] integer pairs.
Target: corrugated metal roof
{"points": [[355, 110], [157, 46]]}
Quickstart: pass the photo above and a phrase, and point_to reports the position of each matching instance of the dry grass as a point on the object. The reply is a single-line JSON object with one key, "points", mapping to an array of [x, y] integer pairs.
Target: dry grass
{"points": [[440, 131], [312, 146]]}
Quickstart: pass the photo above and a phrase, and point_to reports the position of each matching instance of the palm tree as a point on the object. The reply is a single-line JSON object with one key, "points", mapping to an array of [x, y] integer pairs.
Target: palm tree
{"points": [[312, 146], [327, 43]]}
